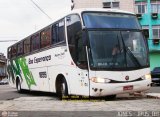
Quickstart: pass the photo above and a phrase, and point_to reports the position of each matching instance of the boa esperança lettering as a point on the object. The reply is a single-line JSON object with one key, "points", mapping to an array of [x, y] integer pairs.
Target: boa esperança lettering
{"points": [[39, 59]]}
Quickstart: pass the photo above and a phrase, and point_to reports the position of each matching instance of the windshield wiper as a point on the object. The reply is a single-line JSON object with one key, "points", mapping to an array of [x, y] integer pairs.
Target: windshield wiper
{"points": [[131, 55]]}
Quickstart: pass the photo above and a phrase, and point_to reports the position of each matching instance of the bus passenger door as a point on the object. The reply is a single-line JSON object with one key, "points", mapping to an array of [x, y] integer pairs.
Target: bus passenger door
{"points": [[80, 82], [83, 82], [82, 67]]}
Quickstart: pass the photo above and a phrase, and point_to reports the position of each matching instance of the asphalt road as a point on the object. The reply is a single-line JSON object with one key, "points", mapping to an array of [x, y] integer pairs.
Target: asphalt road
{"points": [[40, 104], [9, 93]]}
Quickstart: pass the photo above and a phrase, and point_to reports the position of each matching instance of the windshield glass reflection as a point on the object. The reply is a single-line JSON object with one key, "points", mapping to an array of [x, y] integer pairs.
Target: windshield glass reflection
{"points": [[117, 49]]}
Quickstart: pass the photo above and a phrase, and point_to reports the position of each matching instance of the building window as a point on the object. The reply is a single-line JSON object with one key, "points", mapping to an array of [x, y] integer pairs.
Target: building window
{"points": [[156, 33], [110, 4], [106, 4], [115, 4], [155, 8], [140, 8]]}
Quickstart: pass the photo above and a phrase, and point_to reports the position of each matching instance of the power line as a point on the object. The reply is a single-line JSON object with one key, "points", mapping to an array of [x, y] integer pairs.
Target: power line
{"points": [[7, 40], [41, 9]]}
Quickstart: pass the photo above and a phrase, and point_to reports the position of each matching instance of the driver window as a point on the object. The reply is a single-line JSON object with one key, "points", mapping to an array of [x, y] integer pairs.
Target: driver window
{"points": [[74, 35], [81, 52]]}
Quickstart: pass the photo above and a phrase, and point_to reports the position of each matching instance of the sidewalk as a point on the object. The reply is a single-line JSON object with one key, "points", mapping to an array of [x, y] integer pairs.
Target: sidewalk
{"points": [[153, 95], [139, 95]]}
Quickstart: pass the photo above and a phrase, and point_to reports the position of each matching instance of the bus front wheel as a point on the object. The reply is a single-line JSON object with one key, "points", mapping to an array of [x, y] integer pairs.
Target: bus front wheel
{"points": [[110, 97], [62, 89]]}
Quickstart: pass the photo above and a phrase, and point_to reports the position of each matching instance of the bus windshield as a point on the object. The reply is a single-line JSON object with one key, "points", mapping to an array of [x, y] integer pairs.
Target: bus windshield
{"points": [[110, 20], [117, 49], [115, 41]]}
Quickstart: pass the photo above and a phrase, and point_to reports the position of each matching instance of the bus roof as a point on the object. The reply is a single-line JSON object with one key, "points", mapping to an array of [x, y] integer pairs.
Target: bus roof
{"points": [[79, 11]]}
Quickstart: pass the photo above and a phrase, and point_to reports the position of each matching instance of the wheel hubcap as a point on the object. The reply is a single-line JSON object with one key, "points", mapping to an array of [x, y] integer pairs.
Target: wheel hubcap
{"points": [[18, 87], [63, 89]]}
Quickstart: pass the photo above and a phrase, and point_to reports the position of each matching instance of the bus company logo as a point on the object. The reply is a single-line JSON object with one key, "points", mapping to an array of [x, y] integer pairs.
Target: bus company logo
{"points": [[127, 77]]}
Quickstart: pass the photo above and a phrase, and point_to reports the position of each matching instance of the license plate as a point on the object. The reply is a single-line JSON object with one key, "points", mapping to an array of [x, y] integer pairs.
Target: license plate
{"points": [[130, 87]]}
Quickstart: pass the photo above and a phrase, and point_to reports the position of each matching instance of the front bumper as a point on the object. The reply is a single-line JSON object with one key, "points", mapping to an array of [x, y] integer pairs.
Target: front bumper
{"points": [[104, 89]]}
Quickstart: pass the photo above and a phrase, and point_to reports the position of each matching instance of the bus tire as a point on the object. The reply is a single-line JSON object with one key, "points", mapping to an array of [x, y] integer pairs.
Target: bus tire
{"points": [[62, 89], [18, 86], [110, 97]]}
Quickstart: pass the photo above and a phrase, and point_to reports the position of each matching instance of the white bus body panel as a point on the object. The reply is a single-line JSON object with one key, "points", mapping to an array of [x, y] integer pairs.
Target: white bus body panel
{"points": [[116, 88]]}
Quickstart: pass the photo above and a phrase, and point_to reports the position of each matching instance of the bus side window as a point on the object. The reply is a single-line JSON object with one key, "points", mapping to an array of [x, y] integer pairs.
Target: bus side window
{"points": [[46, 37], [20, 48], [14, 51], [58, 32], [54, 33], [35, 39], [9, 53], [61, 31], [27, 46]]}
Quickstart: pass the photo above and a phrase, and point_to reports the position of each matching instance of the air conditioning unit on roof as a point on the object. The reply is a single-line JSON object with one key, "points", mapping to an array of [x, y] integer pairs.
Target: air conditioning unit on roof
{"points": [[139, 15], [154, 15]]}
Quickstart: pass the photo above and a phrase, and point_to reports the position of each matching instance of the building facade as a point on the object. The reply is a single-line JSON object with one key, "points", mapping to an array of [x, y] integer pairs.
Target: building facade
{"points": [[127, 5], [148, 13], [3, 62]]}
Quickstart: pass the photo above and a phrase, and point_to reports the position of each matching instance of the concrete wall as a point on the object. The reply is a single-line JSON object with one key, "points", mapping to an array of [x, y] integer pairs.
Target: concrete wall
{"points": [[127, 5], [87, 4]]}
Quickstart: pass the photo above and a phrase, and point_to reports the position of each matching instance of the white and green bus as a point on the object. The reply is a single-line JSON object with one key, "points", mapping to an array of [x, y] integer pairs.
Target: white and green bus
{"points": [[89, 52]]}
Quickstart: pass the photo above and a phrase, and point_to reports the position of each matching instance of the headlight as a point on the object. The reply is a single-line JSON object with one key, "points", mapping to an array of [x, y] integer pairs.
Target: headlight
{"points": [[100, 80], [147, 76]]}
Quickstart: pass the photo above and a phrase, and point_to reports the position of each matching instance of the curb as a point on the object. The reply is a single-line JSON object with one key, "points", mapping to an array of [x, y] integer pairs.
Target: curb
{"points": [[140, 95], [153, 95]]}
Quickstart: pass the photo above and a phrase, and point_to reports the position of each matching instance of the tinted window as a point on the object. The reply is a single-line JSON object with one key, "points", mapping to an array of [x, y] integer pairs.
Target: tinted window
{"points": [[61, 31], [9, 53], [157, 69], [106, 20], [46, 37], [27, 45], [14, 50], [35, 42], [117, 50], [74, 32], [20, 48], [58, 32], [55, 33]]}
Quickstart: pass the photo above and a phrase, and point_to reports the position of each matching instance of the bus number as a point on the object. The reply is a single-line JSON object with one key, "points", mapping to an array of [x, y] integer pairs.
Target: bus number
{"points": [[42, 74]]}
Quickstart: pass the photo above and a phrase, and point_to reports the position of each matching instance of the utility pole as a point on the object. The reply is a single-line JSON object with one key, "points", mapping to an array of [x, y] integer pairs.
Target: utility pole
{"points": [[149, 19]]}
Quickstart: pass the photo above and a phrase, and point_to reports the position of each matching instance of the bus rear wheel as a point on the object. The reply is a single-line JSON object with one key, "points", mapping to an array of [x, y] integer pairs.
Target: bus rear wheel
{"points": [[62, 89]]}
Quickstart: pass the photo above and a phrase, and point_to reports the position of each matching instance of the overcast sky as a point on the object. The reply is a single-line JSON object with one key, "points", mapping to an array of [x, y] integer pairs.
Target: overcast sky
{"points": [[20, 18]]}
